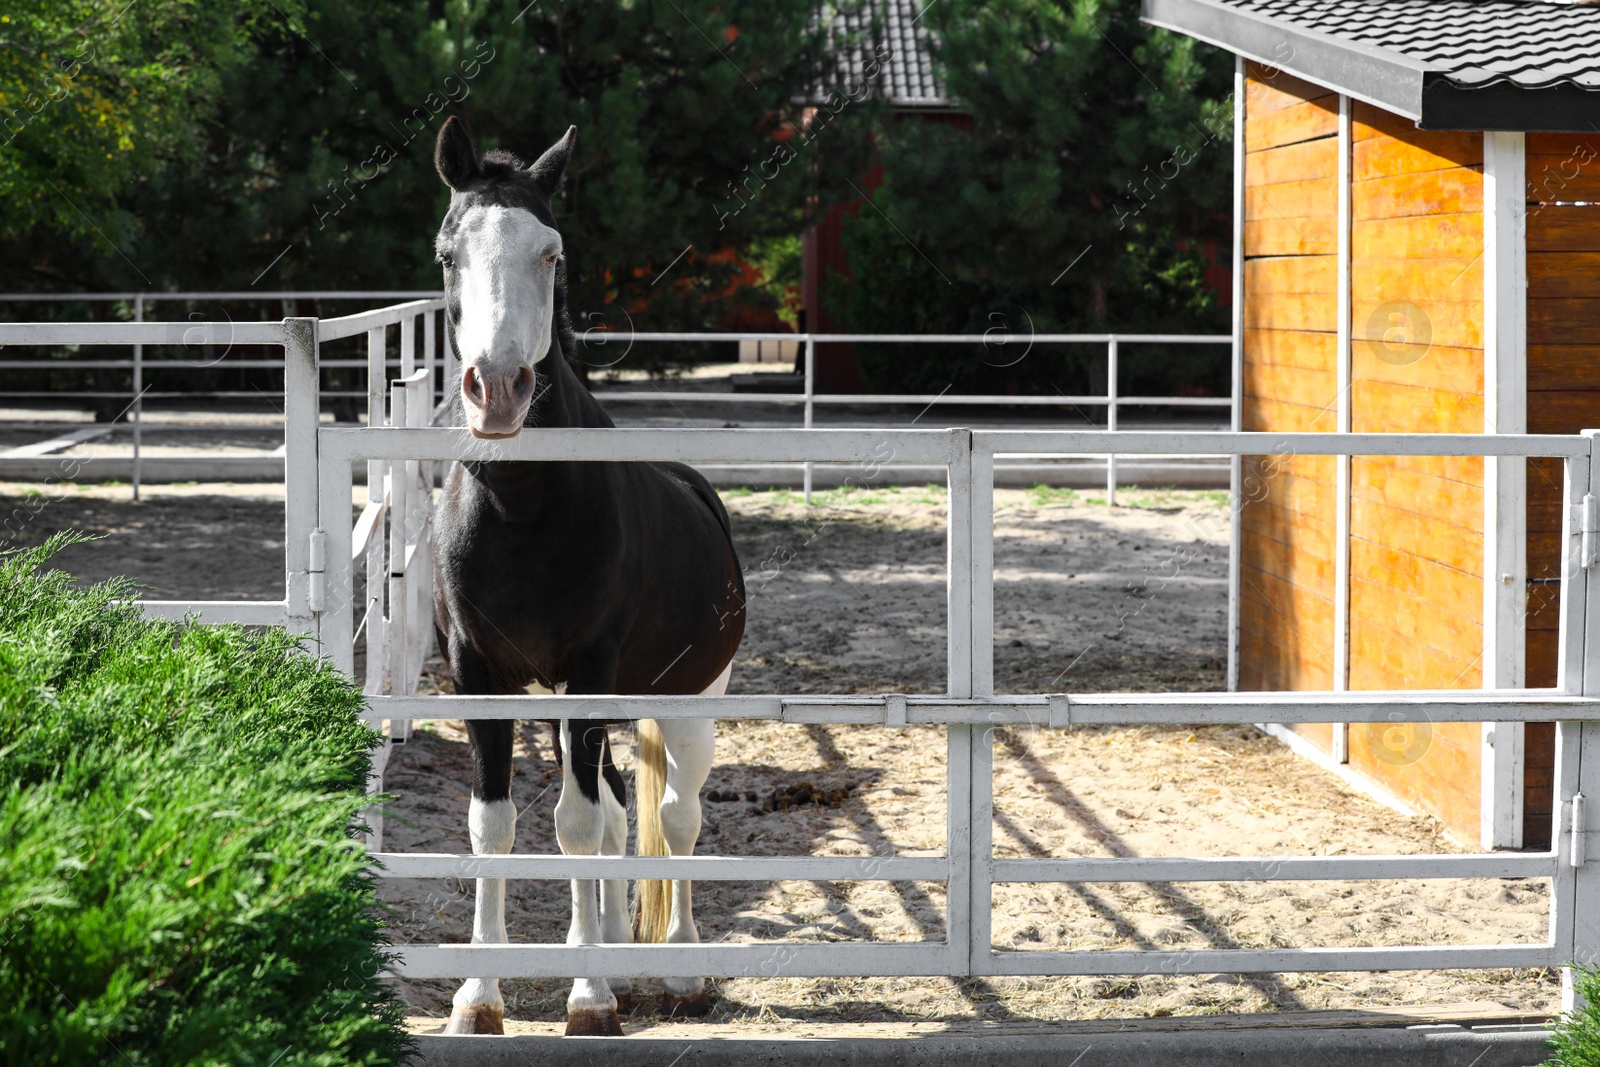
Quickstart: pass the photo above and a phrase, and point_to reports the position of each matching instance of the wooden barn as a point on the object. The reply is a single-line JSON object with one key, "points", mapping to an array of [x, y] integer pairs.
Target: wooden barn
{"points": [[1417, 249]]}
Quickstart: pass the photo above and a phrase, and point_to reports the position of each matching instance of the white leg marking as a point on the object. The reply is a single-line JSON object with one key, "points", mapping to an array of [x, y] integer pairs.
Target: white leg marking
{"points": [[493, 826], [580, 830], [691, 745], [615, 923]]}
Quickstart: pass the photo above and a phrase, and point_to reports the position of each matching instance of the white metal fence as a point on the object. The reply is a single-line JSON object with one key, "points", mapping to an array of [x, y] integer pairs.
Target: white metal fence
{"points": [[602, 341], [324, 598], [970, 711]]}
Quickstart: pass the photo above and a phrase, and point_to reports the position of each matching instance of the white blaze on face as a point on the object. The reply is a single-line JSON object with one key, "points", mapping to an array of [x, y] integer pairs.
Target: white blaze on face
{"points": [[507, 290]]}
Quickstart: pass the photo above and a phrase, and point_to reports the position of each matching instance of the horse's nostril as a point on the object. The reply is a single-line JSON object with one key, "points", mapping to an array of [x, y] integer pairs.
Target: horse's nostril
{"points": [[522, 384], [472, 383]]}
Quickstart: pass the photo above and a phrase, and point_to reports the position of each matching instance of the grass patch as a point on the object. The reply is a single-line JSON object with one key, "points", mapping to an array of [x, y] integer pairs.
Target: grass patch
{"points": [[178, 878], [1166, 497]]}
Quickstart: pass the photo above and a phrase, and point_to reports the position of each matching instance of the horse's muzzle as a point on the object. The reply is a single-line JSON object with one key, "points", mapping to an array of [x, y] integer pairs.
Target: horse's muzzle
{"points": [[496, 401]]}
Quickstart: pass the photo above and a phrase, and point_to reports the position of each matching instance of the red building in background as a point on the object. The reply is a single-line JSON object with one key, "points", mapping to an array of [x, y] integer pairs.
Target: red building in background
{"points": [[909, 83]]}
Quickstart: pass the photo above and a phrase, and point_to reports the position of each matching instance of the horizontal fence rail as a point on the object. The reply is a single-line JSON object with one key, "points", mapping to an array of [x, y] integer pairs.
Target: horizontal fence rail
{"points": [[594, 340], [1059, 711]]}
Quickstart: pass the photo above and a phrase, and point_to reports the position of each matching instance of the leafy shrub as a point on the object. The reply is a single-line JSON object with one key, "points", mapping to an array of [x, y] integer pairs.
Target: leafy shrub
{"points": [[178, 880], [1577, 1036]]}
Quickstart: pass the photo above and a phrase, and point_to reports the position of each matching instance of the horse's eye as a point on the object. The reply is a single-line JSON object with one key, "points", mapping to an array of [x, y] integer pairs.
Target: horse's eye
{"points": [[444, 259], [550, 260]]}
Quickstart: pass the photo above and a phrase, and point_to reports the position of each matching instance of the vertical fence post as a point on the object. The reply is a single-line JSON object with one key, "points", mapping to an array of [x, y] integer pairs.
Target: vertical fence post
{"points": [[398, 624], [1340, 731], [377, 492], [959, 736], [811, 379], [1111, 418], [1572, 677], [429, 345], [300, 406], [980, 808], [138, 395], [1236, 368], [1578, 743]]}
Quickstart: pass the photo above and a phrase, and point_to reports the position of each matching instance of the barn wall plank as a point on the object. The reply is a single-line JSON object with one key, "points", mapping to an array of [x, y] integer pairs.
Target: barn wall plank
{"points": [[1290, 357], [1292, 237], [1268, 89], [1438, 366], [1450, 191], [1564, 229], [1302, 120], [1306, 349], [1295, 199], [1561, 166]]}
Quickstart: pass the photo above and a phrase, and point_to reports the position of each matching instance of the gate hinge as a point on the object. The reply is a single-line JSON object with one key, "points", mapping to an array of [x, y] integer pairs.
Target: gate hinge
{"points": [[1578, 830], [1589, 527], [316, 588]]}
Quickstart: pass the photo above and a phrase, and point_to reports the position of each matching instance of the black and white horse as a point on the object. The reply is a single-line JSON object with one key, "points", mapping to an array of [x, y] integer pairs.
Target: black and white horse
{"points": [[583, 578]]}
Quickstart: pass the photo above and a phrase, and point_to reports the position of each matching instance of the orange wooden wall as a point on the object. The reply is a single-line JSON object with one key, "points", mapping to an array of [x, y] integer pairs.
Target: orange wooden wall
{"points": [[1416, 522], [1416, 544], [1290, 383]]}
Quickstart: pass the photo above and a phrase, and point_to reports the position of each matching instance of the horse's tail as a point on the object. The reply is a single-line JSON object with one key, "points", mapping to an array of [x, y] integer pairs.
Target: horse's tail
{"points": [[652, 898]]}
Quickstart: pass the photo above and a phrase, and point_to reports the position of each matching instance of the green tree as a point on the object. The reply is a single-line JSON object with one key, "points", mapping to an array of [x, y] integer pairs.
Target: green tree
{"points": [[1082, 199], [95, 96], [315, 169]]}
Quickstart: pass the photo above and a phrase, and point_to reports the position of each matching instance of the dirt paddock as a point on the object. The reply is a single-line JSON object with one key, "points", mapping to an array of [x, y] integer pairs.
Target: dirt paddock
{"points": [[848, 596]]}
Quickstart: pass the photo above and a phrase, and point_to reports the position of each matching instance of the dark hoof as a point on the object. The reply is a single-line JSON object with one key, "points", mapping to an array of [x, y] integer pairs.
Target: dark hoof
{"points": [[624, 1003], [590, 1023], [695, 1007], [480, 1019]]}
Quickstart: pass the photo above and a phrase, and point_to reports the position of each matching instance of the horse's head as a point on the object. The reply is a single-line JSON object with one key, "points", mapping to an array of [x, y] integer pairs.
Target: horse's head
{"points": [[501, 254]]}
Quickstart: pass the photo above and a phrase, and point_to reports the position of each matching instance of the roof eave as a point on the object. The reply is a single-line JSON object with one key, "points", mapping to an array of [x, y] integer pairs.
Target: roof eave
{"points": [[1390, 81], [1505, 106], [1394, 82]]}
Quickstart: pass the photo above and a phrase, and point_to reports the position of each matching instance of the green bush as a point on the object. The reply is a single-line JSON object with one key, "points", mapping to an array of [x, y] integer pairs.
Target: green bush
{"points": [[178, 879], [1577, 1036]]}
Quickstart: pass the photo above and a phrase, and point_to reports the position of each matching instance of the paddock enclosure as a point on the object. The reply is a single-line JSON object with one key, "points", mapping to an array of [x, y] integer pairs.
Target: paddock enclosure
{"points": [[351, 575]]}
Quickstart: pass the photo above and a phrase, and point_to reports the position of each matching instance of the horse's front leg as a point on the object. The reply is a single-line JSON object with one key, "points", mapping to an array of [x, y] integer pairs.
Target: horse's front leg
{"points": [[492, 822], [581, 831], [616, 926], [689, 744]]}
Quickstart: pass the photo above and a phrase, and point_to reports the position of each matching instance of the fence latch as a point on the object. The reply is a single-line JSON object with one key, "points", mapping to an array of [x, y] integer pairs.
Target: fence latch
{"points": [[1589, 526], [316, 589], [1579, 828]]}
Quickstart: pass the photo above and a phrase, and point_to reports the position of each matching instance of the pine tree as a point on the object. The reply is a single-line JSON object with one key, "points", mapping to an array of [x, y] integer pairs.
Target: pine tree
{"points": [[315, 169], [1085, 197]]}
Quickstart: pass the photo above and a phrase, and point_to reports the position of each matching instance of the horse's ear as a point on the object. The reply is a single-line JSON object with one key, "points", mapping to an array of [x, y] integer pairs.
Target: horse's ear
{"points": [[453, 155], [551, 168]]}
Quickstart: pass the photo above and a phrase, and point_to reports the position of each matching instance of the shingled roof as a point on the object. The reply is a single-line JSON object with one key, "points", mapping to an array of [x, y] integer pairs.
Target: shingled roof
{"points": [[855, 31], [1445, 64]]}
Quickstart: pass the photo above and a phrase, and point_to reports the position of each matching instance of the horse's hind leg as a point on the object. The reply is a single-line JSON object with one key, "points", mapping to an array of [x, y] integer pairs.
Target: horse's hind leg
{"points": [[580, 830], [615, 926], [690, 745], [492, 822]]}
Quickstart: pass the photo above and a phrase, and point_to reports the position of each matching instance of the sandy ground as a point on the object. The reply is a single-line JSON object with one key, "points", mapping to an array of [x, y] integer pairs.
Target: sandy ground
{"points": [[848, 597]]}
